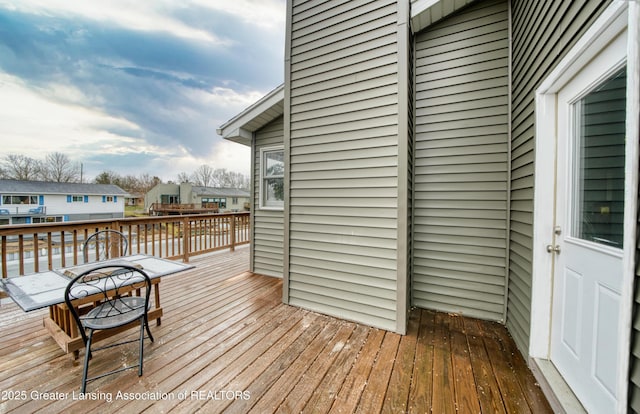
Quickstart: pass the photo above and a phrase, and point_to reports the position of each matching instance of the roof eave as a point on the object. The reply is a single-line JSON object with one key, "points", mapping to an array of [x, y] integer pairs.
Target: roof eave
{"points": [[240, 128], [424, 13]]}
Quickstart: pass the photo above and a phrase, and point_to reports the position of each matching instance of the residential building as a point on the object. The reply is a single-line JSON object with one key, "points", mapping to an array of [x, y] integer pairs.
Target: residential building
{"points": [[475, 157], [186, 197], [25, 202]]}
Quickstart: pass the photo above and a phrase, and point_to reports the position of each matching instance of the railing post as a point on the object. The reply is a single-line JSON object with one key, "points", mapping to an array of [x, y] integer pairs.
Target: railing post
{"points": [[227, 232], [232, 229], [115, 247], [186, 239]]}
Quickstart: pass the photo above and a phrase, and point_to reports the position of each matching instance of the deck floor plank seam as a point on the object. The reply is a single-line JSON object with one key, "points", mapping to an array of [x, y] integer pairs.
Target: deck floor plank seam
{"points": [[226, 329]]}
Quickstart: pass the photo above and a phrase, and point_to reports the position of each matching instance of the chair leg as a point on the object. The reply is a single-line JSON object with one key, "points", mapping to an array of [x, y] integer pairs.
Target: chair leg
{"points": [[146, 324], [142, 324], [87, 357]]}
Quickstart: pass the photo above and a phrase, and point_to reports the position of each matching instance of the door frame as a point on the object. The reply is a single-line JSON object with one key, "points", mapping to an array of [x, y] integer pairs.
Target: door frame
{"points": [[618, 16]]}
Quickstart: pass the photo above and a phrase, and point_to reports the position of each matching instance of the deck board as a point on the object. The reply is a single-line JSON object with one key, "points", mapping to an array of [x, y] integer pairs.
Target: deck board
{"points": [[225, 329]]}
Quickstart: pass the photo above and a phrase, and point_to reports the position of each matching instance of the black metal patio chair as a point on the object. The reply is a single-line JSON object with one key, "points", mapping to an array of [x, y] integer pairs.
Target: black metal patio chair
{"points": [[104, 244], [109, 297]]}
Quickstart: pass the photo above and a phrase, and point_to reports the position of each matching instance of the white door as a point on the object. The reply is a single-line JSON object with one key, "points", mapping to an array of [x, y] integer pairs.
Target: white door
{"points": [[589, 229]]}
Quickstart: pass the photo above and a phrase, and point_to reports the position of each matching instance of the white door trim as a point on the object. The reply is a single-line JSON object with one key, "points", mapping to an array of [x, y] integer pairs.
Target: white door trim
{"points": [[619, 15]]}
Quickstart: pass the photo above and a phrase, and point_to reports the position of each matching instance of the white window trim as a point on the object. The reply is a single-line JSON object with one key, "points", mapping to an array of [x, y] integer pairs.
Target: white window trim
{"points": [[261, 189]]}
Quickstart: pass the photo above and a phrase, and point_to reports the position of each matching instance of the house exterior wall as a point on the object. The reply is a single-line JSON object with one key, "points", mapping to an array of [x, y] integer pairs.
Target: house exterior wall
{"points": [[342, 126], [239, 205], [155, 194], [542, 33], [186, 194], [634, 362], [91, 206], [61, 207], [267, 226], [461, 162], [351, 174], [343, 109]]}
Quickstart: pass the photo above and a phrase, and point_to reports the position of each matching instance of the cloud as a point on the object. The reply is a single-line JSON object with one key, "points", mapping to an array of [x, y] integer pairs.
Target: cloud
{"points": [[25, 114], [264, 13], [123, 81], [149, 16]]}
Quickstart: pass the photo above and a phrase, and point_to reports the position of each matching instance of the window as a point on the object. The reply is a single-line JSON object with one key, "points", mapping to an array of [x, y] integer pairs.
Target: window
{"points": [[234, 200], [169, 199], [598, 199], [207, 201], [49, 219], [75, 199], [272, 178], [19, 199]]}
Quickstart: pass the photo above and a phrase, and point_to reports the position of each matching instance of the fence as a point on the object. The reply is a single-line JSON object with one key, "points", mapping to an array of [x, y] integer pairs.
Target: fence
{"points": [[33, 248]]}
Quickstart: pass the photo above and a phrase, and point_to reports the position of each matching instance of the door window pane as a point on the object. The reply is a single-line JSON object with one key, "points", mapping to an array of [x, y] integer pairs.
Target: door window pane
{"points": [[599, 163]]}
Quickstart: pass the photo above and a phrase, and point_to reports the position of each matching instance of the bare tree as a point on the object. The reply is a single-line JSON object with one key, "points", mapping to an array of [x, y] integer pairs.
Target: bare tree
{"points": [[58, 167], [20, 167], [230, 179], [130, 183], [146, 182], [183, 177], [204, 176], [237, 180]]}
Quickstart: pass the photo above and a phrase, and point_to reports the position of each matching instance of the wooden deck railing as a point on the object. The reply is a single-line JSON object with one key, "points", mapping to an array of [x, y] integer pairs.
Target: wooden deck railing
{"points": [[191, 208], [33, 248]]}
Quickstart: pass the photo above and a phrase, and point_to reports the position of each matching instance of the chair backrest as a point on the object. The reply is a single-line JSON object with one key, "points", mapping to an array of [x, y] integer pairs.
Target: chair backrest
{"points": [[103, 245], [110, 286]]}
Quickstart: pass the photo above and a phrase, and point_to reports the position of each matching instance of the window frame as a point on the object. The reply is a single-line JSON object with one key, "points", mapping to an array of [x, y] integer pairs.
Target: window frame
{"points": [[263, 205], [220, 201], [18, 199]]}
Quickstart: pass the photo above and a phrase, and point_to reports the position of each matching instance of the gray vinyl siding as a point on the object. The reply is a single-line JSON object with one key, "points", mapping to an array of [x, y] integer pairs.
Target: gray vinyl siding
{"points": [[268, 225], [634, 362], [343, 186], [543, 32], [411, 169], [461, 162]]}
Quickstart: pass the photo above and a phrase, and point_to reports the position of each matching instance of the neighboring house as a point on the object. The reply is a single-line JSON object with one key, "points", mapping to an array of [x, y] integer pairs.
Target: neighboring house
{"points": [[136, 200], [475, 157], [26, 202], [199, 198]]}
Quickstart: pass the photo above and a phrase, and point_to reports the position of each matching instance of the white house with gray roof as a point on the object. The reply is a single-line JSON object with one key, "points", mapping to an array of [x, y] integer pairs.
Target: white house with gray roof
{"points": [[27, 202]]}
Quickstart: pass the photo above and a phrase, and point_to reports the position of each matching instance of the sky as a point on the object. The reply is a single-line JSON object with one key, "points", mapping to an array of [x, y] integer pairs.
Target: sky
{"points": [[135, 86]]}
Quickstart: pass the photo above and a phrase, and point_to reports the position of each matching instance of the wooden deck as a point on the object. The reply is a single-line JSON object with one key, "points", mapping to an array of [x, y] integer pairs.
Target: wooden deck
{"points": [[227, 343]]}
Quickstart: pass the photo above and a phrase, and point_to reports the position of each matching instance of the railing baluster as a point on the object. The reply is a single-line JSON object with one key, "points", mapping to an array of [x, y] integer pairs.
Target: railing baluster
{"points": [[153, 240], [49, 252], [21, 252], [184, 236], [36, 253], [63, 249], [4, 256]]}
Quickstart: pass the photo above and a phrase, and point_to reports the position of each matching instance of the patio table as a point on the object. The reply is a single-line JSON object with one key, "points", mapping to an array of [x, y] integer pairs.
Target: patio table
{"points": [[46, 289]]}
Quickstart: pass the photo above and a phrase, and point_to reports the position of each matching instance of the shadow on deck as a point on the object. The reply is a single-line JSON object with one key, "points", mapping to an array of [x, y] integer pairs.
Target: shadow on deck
{"points": [[227, 343]]}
